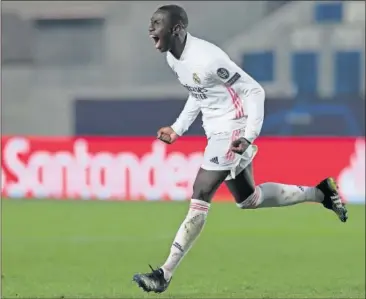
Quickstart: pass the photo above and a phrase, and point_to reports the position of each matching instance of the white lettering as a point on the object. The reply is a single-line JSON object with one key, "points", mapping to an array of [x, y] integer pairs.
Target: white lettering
{"points": [[3, 179], [104, 175], [13, 148], [36, 174], [176, 181], [128, 174], [151, 172]]}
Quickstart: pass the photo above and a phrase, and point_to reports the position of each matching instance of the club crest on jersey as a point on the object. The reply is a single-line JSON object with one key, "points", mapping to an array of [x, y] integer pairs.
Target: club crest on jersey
{"points": [[196, 79], [223, 73]]}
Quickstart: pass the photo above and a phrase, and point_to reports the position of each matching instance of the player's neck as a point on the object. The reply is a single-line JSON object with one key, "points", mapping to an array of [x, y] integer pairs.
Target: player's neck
{"points": [[178, 46]]}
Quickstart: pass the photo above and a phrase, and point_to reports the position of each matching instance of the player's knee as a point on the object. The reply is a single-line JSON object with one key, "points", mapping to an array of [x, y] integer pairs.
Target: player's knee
{"points": [[197, 213], [202, 191], [249, 200], [242, 194]]}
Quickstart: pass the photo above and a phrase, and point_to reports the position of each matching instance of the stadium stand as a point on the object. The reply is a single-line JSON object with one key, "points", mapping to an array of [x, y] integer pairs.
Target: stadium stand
{"points": [[54, 54]]}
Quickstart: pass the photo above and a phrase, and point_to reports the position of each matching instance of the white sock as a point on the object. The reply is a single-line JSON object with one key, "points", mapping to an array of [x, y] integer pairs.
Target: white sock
{"points": [[187, 234], [269, 195]]}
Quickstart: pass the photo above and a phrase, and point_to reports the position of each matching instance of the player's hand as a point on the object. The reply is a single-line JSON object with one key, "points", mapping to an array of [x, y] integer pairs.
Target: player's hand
{"points": [[167, 135], [240, 145]]}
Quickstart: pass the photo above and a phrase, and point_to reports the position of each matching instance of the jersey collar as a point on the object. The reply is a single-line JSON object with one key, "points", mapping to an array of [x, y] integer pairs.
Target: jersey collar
{"points": [[186, 47]]}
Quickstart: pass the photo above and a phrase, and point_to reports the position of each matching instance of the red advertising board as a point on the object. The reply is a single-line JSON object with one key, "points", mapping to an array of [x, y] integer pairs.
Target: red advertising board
{"points": [[145, 168]]}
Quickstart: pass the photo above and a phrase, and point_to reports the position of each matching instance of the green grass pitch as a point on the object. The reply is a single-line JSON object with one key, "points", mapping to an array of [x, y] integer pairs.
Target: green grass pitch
{"points": [[91, 249]]}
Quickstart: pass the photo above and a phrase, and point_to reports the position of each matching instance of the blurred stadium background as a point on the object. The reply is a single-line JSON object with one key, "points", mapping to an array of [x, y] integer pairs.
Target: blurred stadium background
{"points": [[69, 65], [83, 93]]}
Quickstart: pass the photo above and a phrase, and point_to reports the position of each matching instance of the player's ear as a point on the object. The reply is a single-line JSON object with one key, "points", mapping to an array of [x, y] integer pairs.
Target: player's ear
{"points": [[176, 29]]}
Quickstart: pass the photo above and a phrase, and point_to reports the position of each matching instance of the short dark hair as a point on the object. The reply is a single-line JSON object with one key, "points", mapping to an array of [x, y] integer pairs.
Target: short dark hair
{"points": [[177, 14]]}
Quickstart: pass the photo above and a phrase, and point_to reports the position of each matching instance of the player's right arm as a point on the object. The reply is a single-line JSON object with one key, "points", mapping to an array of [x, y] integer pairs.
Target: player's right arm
{"points": [[187, 116], [185, 119]]}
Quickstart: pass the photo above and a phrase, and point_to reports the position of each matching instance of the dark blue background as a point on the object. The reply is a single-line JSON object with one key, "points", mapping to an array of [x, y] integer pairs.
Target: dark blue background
{"points": [[113, 117]]}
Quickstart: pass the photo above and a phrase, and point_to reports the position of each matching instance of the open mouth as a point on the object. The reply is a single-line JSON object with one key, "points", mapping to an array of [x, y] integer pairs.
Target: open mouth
{"points": [[156, 40]]}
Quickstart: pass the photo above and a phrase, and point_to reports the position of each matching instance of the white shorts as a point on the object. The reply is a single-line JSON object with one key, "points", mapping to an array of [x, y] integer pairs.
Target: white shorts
{"points": [[218, 156]]}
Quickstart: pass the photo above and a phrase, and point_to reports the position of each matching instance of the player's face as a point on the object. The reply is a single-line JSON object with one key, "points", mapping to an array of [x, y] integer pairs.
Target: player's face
{"points": [[160, 31]]}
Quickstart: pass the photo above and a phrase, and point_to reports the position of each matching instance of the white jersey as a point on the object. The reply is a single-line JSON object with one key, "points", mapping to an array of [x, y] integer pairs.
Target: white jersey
{"points": [[218, 88]]}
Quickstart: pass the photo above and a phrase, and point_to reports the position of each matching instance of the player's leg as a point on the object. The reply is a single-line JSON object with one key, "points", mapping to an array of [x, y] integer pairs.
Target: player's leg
{"points": [[268, 195], [243, 186], [204, 188], [277, 195]]}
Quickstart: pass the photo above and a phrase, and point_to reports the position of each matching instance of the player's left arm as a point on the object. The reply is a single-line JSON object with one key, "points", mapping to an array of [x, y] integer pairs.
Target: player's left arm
{"points": [[254, 104], [251, 93]]}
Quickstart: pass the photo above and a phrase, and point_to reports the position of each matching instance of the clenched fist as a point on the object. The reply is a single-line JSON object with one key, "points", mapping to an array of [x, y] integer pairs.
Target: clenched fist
{"points": [[167, 135], [240, 145]]}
